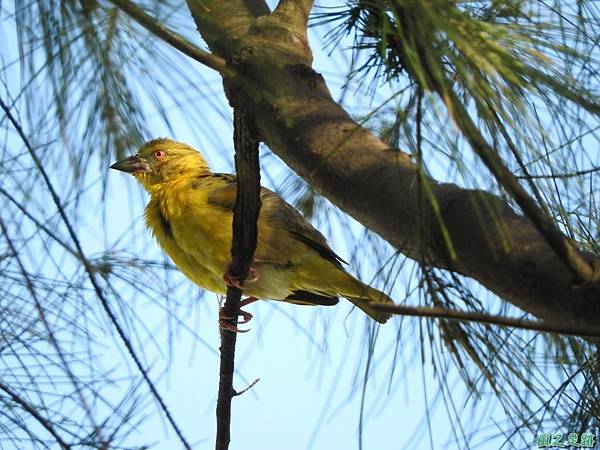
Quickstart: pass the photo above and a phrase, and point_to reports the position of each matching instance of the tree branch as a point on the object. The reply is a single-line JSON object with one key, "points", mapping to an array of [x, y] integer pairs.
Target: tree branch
{"points": [[245, 216], [296, 11], [478, 317], [223, 22], [257, 7], [470, 232], [581, 269], [179, 42]]}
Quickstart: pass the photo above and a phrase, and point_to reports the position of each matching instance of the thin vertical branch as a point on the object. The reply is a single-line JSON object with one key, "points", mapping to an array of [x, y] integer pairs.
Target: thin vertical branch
{"points": [[245, 231]]}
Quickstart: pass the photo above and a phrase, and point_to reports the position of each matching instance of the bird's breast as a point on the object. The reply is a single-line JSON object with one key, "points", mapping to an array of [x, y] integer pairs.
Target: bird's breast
{"points": [[195, 236]]}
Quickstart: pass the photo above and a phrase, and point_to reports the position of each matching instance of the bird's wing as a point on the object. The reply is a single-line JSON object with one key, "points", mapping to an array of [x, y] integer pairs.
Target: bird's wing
{"points": [[222, 189], [299, 228], [277, 218], [301, 297]]}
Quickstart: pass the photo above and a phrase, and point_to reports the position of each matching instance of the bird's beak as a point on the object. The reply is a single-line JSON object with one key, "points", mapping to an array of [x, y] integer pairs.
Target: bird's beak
{"points": [[133, 164]]}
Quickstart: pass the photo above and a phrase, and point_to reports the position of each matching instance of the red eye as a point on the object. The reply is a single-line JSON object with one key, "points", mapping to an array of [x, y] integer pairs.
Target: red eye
{"points": [[159, 154]]}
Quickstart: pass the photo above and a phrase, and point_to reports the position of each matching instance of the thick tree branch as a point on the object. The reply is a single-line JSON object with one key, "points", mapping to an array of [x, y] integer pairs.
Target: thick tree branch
{"points": [[223, 22], [257, 7], [581, 269], [177, 41], [245, 216], [295, 11], [298, 119]]}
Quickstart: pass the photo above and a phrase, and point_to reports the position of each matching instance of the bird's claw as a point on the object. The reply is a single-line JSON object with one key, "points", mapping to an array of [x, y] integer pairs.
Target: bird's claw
{"points": [[231, 327], [246, 316], [225, 325], [234, 280], [253, 275]]}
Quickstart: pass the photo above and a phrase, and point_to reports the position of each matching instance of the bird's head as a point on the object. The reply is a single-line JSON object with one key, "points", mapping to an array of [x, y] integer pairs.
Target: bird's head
{"points": [[162, 160]]}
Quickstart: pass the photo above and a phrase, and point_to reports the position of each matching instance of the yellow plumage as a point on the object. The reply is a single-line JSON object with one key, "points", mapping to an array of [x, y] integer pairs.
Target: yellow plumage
{"points": [[190, 214]]}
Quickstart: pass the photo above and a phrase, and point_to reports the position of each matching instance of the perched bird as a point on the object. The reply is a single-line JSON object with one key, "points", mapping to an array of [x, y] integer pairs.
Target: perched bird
{"points": [[190, 214]]}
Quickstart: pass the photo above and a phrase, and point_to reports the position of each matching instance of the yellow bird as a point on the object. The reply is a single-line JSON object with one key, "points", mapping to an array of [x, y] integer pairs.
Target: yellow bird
{"points": [[190, 214]]}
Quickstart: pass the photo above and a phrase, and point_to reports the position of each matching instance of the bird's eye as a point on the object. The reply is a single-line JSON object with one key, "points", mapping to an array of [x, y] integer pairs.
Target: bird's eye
{"points": [[159, 154]]}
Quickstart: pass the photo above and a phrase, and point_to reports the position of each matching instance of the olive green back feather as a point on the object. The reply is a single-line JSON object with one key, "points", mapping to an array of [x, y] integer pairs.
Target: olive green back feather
{"points": [[277, 211]]}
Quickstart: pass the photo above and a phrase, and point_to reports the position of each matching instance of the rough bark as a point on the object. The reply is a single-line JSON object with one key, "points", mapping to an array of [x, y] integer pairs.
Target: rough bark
{"points": [[298, 119], [245, 232]]}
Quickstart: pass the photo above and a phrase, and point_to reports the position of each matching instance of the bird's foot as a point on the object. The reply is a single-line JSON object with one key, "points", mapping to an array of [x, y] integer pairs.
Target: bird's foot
{"points": [[224, 323], [245, 315], [253, 275], [234, 280]]}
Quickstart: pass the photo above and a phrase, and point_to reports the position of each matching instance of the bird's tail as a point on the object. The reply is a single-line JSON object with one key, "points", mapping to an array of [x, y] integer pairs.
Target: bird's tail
{"points": [[362, 295]]}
